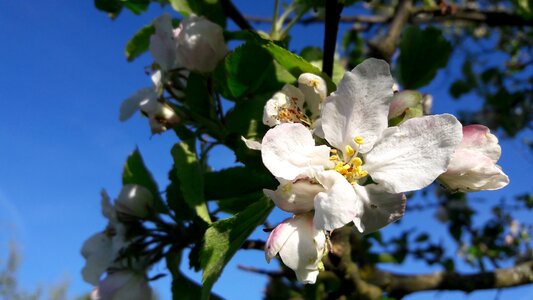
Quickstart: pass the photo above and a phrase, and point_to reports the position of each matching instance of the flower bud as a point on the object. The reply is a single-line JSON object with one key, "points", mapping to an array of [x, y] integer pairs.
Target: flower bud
{"points": [[124, 284], [473, 165], [134, 200], [161, 116], [405, 105], [315, 91], [300, 245], [200, 44]]}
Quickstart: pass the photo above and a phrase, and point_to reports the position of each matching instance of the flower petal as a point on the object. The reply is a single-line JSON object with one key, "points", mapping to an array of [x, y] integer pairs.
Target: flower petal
{"points": [[162, 44], [380, 208], [98, 254], [295, 196], [478, 138], [315, 91], [412, 155], [289, 151], [132, 103], [278, 237], [471, 171], [359, 107], [338, 205], [304, 249]]}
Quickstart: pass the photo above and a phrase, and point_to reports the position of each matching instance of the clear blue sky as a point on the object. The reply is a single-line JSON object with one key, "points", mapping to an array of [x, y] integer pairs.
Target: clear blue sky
{"points": [[63, 76]]}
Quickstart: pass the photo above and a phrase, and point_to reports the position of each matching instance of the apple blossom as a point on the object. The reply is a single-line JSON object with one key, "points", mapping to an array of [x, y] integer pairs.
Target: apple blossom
{"points": [[300, 246], [134, 200], [123, 284], [473, 166], [163, 44], [200, 44], [160, 115], [354, 121], [291, 104]]}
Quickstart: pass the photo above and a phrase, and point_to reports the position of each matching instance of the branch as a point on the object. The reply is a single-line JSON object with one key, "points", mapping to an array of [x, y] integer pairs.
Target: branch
{"points": [[400, 285], [384, 47], [231, 11], [253, 244], [333, 14]]}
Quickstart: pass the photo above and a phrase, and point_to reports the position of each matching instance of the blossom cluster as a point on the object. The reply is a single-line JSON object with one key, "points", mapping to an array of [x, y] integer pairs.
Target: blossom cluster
{"points": [[125, 278], [338, 161], [196, 45]]}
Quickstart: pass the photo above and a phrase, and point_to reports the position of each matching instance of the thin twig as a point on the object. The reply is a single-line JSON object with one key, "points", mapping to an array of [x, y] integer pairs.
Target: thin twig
{"points": [[333, 14]]}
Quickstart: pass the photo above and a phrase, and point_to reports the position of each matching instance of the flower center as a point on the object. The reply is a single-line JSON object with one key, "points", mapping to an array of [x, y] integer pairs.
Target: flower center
{"points": [[351, 166], [291, 113]]}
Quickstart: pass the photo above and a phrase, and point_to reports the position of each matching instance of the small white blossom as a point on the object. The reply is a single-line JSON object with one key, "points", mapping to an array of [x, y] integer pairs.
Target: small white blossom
{"points": [[473, 166], [300, 246]]}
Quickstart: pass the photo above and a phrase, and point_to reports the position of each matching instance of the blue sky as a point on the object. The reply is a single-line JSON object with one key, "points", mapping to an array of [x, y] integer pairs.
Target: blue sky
{"points": [[63, 76]]}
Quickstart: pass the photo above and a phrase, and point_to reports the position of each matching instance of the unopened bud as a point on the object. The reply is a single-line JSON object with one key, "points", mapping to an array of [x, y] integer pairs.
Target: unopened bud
{"points": [[134, 200], [405, 105]]}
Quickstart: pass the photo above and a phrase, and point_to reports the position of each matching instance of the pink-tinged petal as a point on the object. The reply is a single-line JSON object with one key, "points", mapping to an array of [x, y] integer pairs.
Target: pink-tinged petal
{"points": [[411, 156], [124, 284], [289, 151], [295, 196], [471, 171], [278, 237], [304, 249], [479, 139], [338, 205], [380, 208], [359, 107]]}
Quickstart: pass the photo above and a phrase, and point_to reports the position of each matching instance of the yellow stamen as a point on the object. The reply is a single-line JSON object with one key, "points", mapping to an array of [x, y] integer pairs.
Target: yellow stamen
{"points": [[363, 173], [334, 151], [333, 157], [349, 150], [357, 161], [359, 140], [353, 183]]}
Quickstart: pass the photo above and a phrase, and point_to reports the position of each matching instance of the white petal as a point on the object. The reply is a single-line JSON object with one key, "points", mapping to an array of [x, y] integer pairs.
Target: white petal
{"points": [[380, 208], [471, 171], [304, 249], [359, 107], [296, 197], [108, 210], [162, 44], [98, 255], [479, 139], [251, 144], [338, 205], [288, 151], [315, 91], [412, 155], [271, 109], [124, 285], [131, 104], [278, 237]]}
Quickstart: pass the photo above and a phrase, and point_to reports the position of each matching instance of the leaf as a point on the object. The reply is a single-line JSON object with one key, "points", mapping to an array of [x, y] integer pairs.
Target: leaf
{"points": [[175, 199], [223, 238], [237, 204], [211, 9], [112, 7], [136, 6], [243, 71], [139, 43], [422, 53], [295, 64], [191, 179], [135, 172], [183, 288], [236, 181]]}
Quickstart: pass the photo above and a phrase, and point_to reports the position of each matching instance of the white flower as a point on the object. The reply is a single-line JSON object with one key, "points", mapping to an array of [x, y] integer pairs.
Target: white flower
{"points": [[163, 44], [200, 44], [160, 115], [291, 103], [354, 121], [125, 284], [101, 249], [473, 166], [134, 200], [300, 245]]}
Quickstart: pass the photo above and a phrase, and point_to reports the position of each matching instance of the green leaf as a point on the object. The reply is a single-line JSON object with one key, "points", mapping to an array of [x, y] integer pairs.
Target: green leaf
{"points": [[183, 288], [112, 7], [175, 199], [211, 9], [135, 172], [235, 182], [198, 98], [295, 64], [139, 43], [189, 173], [237, 204], [136, 6], [459, 88], [244, 71], [223, 238], [422, 53]]}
